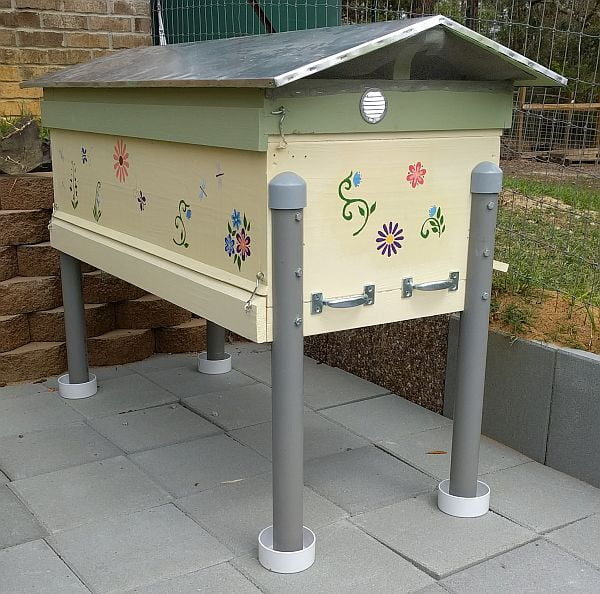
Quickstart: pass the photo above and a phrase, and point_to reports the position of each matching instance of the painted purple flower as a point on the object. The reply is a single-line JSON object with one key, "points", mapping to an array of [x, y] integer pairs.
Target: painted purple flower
{"points": [[141, 200], [389, 239], [229, 245], [243, 244], [236, 218], [356, 179]]}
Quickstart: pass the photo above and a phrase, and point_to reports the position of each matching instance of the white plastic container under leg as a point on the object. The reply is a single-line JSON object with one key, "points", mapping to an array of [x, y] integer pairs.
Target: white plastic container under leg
{"points": [[464, 507], [77, 391], [286, 561]]}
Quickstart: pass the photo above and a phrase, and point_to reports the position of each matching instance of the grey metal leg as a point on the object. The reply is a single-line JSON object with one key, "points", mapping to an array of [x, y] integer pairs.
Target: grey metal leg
{"points": [[287, 198], [75, 330], [215, 342], [486, 183], [78, 383]]}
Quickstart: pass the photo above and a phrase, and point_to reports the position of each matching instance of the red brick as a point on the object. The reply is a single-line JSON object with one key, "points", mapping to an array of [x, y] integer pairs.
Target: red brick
{"points": [[41, 4], [14, 332], [68, 56], [10, 73], [10, 56], [8, 37], [26, 294], [110, 23], [131, 40], [64, 21], [33, 361], [187, 337], [134, 7], [40, 39], [88, 40], [14, 91], [24, 226], [20, 19], [92, 6], [33, 190], [143, 25], [120, 346]]}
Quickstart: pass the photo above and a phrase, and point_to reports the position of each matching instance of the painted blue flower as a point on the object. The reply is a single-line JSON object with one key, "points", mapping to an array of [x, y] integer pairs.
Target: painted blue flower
{"points": [[236, 219], [188, 214], [432, 210], [356, 179], [229, 245]]}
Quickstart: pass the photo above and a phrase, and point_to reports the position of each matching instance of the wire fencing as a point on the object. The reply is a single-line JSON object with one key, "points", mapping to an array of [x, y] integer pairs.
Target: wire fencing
{"points": [[549, 226]]}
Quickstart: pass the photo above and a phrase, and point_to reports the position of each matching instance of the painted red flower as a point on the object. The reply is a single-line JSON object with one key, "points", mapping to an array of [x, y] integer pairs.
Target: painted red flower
{"points": [[242, 244], [120, 156], [416, 174]]}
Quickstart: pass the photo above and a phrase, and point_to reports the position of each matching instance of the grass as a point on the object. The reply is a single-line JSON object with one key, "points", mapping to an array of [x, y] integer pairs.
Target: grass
{"points": [[569, 193], [517, 318], [549, 246]]}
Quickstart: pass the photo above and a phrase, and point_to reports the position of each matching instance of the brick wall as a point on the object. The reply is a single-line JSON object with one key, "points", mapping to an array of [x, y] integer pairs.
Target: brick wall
{"points": [[38, 36]]}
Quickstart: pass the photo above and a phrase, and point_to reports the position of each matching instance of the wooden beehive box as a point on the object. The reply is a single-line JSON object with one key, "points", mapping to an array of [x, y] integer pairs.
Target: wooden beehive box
{"points": [[162, 158]]}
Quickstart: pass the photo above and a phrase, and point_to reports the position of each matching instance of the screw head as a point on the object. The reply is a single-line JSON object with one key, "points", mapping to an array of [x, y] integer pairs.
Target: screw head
{"points": [[491, 205], [298, 216], [298, 322], [486, 253], [298, 272], [485, 295]]}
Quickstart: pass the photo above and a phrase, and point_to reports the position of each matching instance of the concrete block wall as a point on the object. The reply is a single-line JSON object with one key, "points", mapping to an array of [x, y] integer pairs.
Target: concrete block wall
{"points": [[124, 323], [542, 400], [38, 36]]}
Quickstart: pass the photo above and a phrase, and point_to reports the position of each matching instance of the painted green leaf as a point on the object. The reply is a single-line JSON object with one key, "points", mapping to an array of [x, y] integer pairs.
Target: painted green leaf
{"points": [[435, 228], [239, 263], [442, 220], [245, 221], [248, 226], [186, 244], [229, 228], [438, 213], [361, 210], [443, 228], [373, 207]]}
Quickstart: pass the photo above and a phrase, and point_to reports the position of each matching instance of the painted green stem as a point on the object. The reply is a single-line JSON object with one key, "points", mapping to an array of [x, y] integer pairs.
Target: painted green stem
{"points": [[364, 210], [180, 225]]}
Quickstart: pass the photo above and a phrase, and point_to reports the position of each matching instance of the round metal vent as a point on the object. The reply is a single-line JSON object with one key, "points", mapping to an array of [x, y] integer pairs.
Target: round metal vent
{"points": [[373, 106]]}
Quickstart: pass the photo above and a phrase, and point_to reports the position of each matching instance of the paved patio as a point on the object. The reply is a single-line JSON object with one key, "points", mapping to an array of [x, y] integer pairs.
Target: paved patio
{"points": [[161, 482]]}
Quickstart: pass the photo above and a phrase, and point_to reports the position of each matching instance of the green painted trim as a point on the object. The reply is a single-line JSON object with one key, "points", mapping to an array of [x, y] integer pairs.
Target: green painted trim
{"points": [[228, 118], [426, 110]]}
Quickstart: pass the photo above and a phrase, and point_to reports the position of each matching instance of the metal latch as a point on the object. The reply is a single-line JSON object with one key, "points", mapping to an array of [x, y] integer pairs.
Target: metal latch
{"points": [[318, 302], [450, 283]]}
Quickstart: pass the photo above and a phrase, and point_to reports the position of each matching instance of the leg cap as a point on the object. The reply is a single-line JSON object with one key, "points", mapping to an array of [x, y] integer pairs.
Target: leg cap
{"points": [[464, 507], [286, 561], [76, 391], [213, 367]]}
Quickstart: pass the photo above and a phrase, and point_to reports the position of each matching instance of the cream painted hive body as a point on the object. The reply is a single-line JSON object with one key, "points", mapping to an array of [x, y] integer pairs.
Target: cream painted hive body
{"points": [[162, 158]]}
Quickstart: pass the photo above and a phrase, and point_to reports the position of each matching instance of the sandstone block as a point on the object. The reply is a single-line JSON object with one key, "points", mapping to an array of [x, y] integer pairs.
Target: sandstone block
{"points": [[14, 332], [187, 337], [8, 262], [32, 361], [149, 311], [22, 294], [120, 346], [23, 192], [23, 226], [49, 326], [101, 287]]}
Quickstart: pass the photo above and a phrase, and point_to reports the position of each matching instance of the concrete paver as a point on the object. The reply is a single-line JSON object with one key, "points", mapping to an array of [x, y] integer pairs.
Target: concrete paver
{"points": [[122, 394], [39, 452], [536, 568], [81, 494], [321, 437], [541, 498], [430, 451], [138, 549], [35, 567], [236, 512], [417, 530], [348, 561], [17, 524], [153, 427], [365, 479], [580, 538], [197, 465], [388, 418]]}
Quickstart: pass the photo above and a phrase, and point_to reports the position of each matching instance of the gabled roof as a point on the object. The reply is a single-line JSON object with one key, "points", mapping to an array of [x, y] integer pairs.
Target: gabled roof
{"points": [[422, 49]]}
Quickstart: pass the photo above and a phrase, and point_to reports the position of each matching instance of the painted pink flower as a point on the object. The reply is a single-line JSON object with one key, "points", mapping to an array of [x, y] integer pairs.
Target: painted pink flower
{"points": [[120, 156], [243, 244], [416, 174]]}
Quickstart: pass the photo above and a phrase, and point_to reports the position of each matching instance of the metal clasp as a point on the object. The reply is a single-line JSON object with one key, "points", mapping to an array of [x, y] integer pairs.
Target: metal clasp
{"points": [[281, 112], [318, 302], [260, 276], [450, 283]]}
